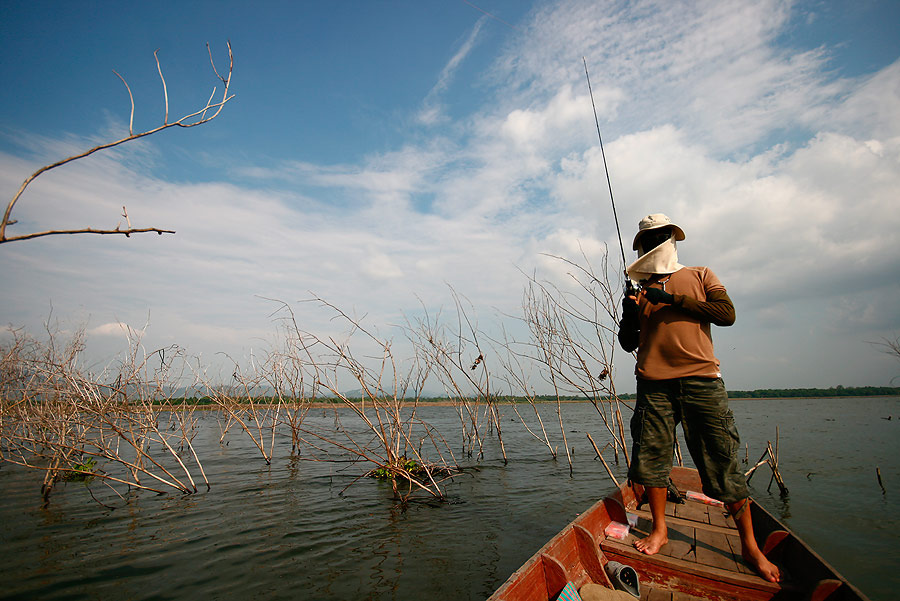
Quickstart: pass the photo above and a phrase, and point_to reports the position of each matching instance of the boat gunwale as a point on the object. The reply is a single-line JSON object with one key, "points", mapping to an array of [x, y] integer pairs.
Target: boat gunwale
{"points": [[626, 497]]}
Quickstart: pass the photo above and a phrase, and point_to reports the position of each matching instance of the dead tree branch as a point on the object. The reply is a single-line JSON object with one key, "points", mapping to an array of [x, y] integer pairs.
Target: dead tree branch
{"points": [[193, 119]]}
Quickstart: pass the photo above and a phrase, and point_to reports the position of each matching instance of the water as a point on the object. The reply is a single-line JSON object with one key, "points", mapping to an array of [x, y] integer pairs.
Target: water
{"points": [[285, 532]]}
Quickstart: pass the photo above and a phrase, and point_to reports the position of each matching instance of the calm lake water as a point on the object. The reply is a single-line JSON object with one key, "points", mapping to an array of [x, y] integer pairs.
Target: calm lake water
{"points": [[285, 532]]}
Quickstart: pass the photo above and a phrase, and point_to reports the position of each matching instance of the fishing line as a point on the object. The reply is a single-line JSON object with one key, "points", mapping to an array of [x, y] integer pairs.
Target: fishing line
{"points": [[628, 285], [495, 17]]}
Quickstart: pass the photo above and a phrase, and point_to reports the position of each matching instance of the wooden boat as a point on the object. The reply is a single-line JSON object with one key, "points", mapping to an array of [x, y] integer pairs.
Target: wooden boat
{"points": [[702, 559]]}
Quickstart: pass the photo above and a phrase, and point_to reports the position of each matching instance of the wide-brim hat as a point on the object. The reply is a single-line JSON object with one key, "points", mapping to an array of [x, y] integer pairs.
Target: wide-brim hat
{"points": [[655, 222]]}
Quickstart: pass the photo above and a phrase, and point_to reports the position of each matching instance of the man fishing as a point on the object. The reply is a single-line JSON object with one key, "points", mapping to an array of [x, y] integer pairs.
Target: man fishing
{"points": [[678, 381]]}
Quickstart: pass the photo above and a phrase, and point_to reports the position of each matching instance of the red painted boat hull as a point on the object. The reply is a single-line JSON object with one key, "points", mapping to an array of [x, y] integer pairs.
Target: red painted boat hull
{"points": [[701, 561]]}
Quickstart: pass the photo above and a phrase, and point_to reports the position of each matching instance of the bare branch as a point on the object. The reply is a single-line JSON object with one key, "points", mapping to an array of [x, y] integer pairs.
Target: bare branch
{"points": [[163, 79], [131, 98], [88, 230], [891, 348], [185, 121]]}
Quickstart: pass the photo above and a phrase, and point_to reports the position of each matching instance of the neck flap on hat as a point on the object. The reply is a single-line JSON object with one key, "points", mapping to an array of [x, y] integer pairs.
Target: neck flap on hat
{"points": [[661, 260]]}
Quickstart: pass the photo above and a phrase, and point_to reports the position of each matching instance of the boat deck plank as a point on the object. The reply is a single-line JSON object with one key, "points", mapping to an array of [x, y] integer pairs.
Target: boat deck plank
{"points": [[672, 519], [719, 517], [685, 597], [713, 550], [700, 535], [662, 595], [628, 553], [681, 543], [701, 562], [734, 541], [690, 510], [648, 594]]}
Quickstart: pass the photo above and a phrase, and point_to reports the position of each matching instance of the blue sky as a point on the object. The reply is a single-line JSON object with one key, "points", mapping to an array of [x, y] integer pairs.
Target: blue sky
{"points": [[380, 154]]}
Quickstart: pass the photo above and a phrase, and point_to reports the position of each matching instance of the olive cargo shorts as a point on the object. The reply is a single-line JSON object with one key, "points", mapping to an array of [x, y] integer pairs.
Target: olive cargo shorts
{"points": [[701, 406]]}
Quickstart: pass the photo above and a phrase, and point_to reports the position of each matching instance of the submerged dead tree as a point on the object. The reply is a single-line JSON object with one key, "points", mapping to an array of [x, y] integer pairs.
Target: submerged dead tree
{"points": [[590, 315], [59, 419], [572, 341], [243, 403], [123, 427], [460, 362], [519, 377], [202, 115], [274, 390], [389, 435]]}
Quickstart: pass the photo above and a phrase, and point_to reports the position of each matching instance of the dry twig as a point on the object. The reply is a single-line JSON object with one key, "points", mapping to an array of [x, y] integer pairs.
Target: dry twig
{"points": [[192, 119]]}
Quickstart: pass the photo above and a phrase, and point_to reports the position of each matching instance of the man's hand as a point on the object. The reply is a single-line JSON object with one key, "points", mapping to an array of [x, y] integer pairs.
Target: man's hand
{"points": [[658, 295], [629, 333], [629, 308]]}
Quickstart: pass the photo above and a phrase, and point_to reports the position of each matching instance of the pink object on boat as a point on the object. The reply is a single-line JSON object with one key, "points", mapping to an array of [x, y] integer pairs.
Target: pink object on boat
{"points": [[699, 496], [616, 530]]}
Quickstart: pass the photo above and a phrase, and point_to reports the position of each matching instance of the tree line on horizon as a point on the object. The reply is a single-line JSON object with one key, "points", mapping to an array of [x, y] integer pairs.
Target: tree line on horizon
{"points": [[762, 393], [834, 391]]}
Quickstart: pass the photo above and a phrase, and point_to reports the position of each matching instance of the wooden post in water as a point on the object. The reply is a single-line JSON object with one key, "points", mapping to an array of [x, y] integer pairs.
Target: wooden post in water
{"points": [[776, 475], [774, 458], [759, 462], [600, 455]]}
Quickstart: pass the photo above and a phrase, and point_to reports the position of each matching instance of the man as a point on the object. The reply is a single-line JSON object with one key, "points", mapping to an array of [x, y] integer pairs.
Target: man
{"points": [[678, 381]]}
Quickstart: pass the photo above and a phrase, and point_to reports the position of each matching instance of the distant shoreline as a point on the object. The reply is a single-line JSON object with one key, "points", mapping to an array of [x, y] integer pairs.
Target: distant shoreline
{"points": [[736, 395]]}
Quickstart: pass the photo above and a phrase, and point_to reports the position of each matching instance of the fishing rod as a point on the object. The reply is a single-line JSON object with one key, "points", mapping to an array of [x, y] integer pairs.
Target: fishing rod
{"points": [[630, 290]]}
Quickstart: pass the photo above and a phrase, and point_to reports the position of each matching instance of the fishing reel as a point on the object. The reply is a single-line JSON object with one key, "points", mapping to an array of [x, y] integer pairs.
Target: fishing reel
{"points": [[630, 307], [631, 289]]}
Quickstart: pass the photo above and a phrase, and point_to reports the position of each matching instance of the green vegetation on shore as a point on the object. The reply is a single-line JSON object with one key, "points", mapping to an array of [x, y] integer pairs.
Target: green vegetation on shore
{"points": [[835, 391], [763, 393]]}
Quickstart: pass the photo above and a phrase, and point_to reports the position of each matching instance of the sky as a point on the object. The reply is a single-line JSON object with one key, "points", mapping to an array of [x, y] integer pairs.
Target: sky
{"points": [[390, 157]]}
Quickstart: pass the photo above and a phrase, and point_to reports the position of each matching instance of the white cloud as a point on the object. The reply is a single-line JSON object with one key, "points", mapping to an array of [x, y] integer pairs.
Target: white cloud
{"points": [[380, 266], [115, 328], [713, 68], [872, 109], [694, 101], [432, 112]]}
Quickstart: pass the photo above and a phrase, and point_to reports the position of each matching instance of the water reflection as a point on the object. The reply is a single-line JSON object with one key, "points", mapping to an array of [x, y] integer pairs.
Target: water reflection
{"points": [[295, 530]]}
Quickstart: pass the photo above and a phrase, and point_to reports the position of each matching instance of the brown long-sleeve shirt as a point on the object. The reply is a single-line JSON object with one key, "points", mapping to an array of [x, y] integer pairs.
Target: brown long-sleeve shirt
{"points": [[674, 341]]}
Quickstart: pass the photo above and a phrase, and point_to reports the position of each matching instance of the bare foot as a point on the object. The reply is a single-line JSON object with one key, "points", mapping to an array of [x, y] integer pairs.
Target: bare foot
{"points": [[652, 544], [763, 566]]}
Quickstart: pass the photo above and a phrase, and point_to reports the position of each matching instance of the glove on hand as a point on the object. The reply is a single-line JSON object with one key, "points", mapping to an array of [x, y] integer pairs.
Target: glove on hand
{"points": [[658, 295]]}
